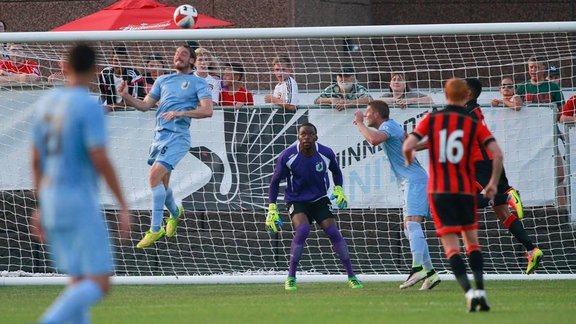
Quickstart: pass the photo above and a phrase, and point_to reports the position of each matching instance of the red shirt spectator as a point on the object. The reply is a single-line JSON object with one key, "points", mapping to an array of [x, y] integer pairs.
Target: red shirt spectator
{"points": [[242, 96], [235, 94], [27, 67], [568, 110]]}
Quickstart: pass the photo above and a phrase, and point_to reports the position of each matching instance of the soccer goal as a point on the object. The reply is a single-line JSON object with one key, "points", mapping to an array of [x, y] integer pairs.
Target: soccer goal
{"points": [[223, 182]]}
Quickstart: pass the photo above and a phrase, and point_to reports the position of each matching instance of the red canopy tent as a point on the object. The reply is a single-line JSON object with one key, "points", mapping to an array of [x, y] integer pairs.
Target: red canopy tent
{"points": [[136, 15]]}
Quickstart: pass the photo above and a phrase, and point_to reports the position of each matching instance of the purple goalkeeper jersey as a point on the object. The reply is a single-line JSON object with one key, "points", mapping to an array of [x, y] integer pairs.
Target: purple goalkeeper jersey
{"points": [[306, 176]]}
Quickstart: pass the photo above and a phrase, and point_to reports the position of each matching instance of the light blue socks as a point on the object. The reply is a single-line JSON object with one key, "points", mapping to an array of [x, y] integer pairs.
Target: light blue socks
{"points": [[158, 199], [73, 303]]}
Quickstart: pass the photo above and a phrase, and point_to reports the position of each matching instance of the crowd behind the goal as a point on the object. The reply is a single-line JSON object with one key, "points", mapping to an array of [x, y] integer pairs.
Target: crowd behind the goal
{"points": [[227, 84]]}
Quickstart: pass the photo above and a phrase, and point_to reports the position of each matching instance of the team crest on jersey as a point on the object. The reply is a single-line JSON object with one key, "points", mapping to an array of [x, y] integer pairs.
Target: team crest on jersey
{"points": [[319, 167], [185, 85]]}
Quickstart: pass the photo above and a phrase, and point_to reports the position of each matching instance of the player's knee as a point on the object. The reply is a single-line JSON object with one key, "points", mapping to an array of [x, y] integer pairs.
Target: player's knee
{"points": [[157, 173]]}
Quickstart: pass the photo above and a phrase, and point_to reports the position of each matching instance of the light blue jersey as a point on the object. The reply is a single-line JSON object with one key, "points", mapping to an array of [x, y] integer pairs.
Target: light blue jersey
{"points": [[69, 123], [414, 173], [413, 179], [177, 92]]}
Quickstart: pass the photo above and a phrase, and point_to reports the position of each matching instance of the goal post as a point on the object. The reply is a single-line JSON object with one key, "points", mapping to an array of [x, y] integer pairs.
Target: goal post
{"points": [[223, 181]]}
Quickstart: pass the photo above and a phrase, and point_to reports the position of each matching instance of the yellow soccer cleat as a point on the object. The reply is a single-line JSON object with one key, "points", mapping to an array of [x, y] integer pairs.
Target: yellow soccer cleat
{"points": [[515, 202], [150, 238], [172, 222], [534, 259]]}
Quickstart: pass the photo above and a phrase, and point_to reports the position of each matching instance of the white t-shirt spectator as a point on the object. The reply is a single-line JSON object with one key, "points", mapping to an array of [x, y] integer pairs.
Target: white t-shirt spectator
{"points": [[213, 85], [287, 91]]}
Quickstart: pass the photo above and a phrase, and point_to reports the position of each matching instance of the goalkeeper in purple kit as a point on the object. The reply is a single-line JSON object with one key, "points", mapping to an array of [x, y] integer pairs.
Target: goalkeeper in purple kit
{"points": [[305, 166]]}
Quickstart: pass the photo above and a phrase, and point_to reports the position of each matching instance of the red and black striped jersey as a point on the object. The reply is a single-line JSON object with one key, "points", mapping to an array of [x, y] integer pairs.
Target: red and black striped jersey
{"points": [[479, 152], [451, 135]]}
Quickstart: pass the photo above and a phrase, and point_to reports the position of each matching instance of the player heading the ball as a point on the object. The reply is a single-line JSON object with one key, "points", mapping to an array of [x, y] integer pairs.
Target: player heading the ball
{"points": [[181, 97]]}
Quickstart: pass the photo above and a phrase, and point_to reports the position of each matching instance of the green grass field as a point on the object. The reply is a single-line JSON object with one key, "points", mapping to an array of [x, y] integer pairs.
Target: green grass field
{"points": [[511, 301]]}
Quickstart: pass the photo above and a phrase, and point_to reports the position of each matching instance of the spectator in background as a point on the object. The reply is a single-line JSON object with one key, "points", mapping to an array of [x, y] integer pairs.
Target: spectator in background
{"points": [[509, 98], [18, 68], [154, 69], [346, 92], [286, 91], [58, 76], [402, 95], [202, 65], [235, 94], [111, 77], [553, 74], [3, 47], [538, 89]]}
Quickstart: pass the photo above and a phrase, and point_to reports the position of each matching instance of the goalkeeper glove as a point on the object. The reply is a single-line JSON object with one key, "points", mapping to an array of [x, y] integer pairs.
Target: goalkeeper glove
{"points": [[338, 195], [273, 221]]}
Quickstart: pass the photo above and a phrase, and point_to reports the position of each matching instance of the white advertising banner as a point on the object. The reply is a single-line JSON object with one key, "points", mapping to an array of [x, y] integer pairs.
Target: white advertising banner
{"points": [[234, 152], [526, 137]]}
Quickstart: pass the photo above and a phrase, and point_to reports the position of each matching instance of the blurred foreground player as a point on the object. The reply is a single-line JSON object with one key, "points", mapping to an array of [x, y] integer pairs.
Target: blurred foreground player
{"points": [[68, 156]]}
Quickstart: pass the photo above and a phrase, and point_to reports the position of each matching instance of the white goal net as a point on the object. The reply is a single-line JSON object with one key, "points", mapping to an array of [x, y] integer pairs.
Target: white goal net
{"points": [[223, 182]]}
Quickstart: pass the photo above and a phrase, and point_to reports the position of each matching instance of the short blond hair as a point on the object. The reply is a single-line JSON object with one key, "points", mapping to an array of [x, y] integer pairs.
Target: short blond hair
{"points": [[201, 51]]}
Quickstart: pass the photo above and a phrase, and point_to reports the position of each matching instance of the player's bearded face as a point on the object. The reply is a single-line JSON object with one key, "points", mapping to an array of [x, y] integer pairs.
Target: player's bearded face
{"points": [[182, 59]]}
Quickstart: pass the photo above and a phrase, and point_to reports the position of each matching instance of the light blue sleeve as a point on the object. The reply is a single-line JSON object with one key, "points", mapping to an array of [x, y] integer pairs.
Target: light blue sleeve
{"points": [[94, 126], [155, 91], [387, 129], [202, 89], [392, 129]]}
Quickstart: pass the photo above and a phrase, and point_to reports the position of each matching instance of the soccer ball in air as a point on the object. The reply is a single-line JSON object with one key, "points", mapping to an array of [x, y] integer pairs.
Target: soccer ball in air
{"points": [[185, 16]]}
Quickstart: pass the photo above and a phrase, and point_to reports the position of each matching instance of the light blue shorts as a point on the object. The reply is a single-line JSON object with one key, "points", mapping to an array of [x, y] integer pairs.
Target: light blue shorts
{"points": [[168, 151], [77, 237], [415, 199]]}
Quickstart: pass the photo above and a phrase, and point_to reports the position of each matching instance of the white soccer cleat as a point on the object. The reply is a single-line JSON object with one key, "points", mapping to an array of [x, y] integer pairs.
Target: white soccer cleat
{"points": [[431, 282], [414, 278], [480, 295], [471, 300]]}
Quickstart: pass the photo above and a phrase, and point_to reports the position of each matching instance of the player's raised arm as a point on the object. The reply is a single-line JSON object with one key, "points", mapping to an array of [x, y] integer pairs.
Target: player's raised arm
{"points": [[374, 119], [138, 104]]}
